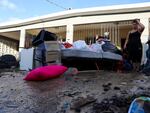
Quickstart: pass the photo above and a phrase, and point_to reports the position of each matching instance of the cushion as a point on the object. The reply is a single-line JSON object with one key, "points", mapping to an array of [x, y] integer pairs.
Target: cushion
{"points": [[45, 73]]}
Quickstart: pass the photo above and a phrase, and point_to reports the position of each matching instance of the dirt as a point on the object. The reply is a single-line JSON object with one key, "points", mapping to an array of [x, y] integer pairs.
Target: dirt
{"points": [[86, 92]]}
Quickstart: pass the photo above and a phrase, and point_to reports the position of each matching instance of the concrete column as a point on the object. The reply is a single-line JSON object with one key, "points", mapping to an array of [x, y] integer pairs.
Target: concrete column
{"points": [[69, 34], [145, 37], [22, 39]]}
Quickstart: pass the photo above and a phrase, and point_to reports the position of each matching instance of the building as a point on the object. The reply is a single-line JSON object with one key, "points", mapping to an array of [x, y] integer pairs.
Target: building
{"points": [[78, 24]]}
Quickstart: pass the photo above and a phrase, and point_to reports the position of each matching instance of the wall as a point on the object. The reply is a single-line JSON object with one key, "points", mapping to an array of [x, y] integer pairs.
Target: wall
{"points": [[8, 46]]}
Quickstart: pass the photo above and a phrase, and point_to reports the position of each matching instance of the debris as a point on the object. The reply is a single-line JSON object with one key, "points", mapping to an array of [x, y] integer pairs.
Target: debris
{"points": [[111, 105], [78, 110], [116, 88], [71, 94], [123, 83], [65, 107], [81, 102], [11, 104], [107, 86], [123, 92], [70, 73], [60, 96]]}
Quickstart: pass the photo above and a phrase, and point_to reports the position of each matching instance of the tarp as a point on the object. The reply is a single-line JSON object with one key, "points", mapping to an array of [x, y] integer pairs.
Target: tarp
{"points": [[140, 105]]}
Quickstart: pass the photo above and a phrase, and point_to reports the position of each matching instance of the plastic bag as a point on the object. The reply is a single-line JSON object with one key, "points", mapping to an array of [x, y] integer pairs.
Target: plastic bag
{"points": [[80, 44], [96, 48]]}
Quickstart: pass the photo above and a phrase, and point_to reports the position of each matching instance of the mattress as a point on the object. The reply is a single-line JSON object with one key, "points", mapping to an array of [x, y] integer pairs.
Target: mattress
{"points": [[66, 53], [80, 53], [113, 56]]}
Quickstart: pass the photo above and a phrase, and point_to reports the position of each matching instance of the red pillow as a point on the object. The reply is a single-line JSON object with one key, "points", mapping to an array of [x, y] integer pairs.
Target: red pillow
{"points": [[45, 73]]}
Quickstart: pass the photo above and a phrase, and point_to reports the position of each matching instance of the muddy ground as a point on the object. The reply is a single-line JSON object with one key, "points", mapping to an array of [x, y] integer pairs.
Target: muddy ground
{"points": [[86, 92]]}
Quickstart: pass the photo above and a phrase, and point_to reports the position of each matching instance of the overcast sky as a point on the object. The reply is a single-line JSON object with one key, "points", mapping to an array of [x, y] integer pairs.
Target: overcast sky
{"points": [[12, 10]]}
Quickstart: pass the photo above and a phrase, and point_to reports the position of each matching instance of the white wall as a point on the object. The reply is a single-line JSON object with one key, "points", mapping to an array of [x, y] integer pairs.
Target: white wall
{"points": [[69, 22]]}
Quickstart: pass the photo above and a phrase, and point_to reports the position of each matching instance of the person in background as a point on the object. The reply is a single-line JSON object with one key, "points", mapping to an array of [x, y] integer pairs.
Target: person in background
{"points": [[146, 69], [133, 44], [106, 35]]}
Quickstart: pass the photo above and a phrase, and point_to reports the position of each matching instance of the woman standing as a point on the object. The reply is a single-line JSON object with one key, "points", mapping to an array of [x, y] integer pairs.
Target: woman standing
{"points": [[133, 44]]}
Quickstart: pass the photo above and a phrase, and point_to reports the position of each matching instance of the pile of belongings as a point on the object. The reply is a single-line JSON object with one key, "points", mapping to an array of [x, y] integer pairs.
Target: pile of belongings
{"points": [[39, 58], [103, 53], [8, 61], [103, 45]]}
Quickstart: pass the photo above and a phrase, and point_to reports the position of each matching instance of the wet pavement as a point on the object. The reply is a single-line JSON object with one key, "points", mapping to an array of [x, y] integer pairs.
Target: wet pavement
{"points": [[85, 92]]}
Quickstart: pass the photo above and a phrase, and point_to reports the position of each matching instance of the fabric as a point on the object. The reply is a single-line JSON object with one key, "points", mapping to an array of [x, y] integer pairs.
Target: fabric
{"points": [[67, 45], [96, 48], [110, 47], [134, 47], [45, 73], [80, 44]]}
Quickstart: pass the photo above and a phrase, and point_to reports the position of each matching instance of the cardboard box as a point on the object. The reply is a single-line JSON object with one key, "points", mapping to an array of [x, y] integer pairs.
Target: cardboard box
{"points": [[52, 46], [53, 56]]}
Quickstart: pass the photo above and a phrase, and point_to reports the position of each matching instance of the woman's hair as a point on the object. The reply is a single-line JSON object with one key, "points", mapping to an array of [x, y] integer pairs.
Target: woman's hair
{"points": [[134, 21]]}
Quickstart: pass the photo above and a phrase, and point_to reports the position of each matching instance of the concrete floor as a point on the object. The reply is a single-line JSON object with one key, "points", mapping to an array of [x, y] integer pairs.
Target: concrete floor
{"points": [[19, 96]]}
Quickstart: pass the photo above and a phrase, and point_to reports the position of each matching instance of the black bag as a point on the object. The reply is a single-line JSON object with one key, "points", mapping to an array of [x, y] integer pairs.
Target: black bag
{"points": [[44, 36], [7, 61]]}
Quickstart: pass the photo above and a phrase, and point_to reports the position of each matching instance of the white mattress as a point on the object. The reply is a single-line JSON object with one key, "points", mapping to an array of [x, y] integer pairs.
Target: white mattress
{"points": [[90, 54]]}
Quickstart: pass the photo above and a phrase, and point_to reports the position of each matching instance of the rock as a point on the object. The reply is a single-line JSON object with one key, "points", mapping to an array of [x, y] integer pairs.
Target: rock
{"points": [[123, 92], [81, 102], [11, 104], [123, 83], [109, 83], [107, 86], [86, 80], [114, 109], [116, 88], [21, 101], [78, 110], [111, 105], [141, 88]]}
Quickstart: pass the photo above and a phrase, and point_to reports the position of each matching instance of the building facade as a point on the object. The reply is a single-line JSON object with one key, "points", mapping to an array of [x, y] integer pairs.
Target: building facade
{"points": [[80, 24]]}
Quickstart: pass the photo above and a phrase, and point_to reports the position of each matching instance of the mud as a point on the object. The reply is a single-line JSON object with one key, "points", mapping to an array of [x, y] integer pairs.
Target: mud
{"points": [[86, 92]]}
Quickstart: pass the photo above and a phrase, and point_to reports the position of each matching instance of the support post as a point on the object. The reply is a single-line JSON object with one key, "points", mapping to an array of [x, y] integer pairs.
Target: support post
{"points": [[22, 39], [69, 34]]}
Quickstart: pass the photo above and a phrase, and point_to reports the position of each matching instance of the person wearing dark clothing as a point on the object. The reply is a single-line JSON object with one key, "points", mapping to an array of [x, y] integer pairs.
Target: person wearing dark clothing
{"points": [[133, 44], [134, 47], [146, 69]]}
